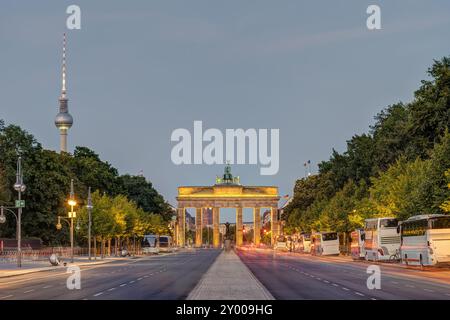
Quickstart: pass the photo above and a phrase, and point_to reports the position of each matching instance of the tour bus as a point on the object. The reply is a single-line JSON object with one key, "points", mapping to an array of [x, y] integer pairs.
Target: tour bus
{"points": [[325, 243], [150, 244], [381, 238], [305, 242], [281, 243], [165, 243], [426, 240], [357, 244]]}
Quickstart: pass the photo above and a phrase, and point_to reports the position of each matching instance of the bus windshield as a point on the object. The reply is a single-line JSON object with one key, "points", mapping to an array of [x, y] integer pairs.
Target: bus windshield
{"points": [[329, 236], [163, 241], [388, 223], [440, 223]]}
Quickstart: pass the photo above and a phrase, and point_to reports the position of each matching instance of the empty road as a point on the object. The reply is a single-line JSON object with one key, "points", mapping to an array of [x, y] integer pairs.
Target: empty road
{"points": [[167, 277], [296, 276]]}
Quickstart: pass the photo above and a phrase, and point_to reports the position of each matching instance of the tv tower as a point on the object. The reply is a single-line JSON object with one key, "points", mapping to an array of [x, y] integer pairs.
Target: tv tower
{"points": [[63, 120]]}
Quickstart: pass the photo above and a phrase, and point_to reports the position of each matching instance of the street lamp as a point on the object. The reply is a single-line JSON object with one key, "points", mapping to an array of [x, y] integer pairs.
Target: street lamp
{"points": [[72, 215], [20, 187], [89, 207], [3, 220]]}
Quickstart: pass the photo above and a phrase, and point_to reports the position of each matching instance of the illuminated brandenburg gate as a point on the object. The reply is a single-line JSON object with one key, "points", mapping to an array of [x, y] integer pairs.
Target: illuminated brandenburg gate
{"points": [[226, 193]]}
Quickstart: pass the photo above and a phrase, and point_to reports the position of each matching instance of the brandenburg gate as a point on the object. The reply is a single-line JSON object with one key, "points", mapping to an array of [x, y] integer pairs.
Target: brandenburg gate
{"points": [[227, 192]]}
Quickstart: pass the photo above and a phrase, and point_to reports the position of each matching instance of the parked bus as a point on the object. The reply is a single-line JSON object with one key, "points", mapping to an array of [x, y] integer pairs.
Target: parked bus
{"points": [[357, 244], [281, 243], [325, 243], [305, 242], [426, 240], [381, 238], [149, 244], [165, 243]]}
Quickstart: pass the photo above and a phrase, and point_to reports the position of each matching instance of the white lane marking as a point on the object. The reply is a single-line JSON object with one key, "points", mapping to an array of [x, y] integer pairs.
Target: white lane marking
{"points": [[319, 279], [28, 291], [394, 282], [46, 287], [6, 297], [410, 286], [326, 281], [146, 276], [139, 279], [132, 281], [98, 294], [123, 284], [428, 290], [373, 299], [359, 294], [346, 289], [334, 284], [111, 289]]}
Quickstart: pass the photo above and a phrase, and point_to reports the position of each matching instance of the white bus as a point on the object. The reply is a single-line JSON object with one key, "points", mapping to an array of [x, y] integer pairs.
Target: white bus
{"points": [[357, 244], [149, 244], [305, 243], [426, 240], [281, 243], [381, 238], [325, 243]]}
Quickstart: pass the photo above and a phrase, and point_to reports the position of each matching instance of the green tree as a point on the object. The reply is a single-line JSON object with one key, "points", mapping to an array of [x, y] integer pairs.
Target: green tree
{"points": [[390, 135], [446, 205], [430, 111], [141, 191], [401, 191]]}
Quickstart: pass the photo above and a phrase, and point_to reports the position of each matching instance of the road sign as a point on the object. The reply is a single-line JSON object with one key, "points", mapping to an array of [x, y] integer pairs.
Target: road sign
{"points": [[20, 203]]}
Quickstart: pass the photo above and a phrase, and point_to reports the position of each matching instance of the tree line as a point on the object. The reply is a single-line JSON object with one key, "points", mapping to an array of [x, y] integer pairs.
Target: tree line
{"points": [[400, 167], [124, 205]]}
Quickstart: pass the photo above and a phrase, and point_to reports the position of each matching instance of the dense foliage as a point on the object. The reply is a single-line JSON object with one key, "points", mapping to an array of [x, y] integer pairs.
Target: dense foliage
{"points": [[123, 205], [400, 168]]}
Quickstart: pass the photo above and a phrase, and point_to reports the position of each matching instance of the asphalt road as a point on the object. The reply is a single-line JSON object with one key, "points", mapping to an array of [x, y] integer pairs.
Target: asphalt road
{"points": [[304, 277], [166, 277]]}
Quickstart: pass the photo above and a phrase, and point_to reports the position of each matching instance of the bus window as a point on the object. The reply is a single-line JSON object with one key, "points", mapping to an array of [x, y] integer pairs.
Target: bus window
{"points": [[440, 223], [329, 236], [149, 242], [388, 223]]}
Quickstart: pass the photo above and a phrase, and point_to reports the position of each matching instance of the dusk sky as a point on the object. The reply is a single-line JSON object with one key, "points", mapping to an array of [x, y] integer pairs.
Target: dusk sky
{"points": [[137, 70]]}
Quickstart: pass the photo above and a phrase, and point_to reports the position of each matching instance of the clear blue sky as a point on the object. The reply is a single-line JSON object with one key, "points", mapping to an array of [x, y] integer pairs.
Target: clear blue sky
{"points": [[137, 70]]}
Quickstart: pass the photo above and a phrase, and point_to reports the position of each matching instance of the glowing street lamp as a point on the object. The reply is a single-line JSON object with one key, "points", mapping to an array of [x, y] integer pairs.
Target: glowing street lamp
{"points": [[71, 215]]}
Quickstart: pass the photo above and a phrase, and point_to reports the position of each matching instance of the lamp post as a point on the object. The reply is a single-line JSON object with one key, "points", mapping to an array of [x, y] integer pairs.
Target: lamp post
{"points": [[72, 215], [89, 208], [3, 220], [70, 223], [20, 187]]}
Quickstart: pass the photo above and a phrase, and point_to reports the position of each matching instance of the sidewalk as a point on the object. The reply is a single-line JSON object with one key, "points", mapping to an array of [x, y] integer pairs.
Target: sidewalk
{"points": [[229, 279], [9, 269]]}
